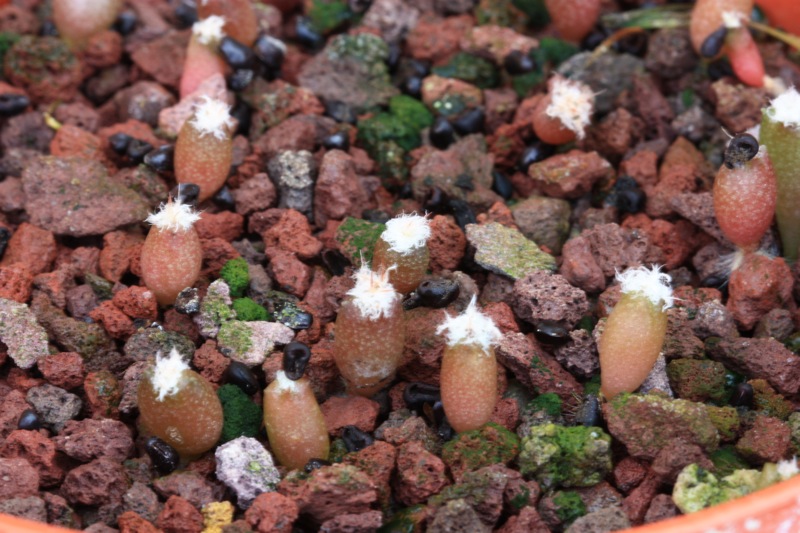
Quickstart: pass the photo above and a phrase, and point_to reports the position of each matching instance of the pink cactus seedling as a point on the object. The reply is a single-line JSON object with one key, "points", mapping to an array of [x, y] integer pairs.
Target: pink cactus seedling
{"points": [[202, 55], [78, 21], [564, 114], [404, 244]]}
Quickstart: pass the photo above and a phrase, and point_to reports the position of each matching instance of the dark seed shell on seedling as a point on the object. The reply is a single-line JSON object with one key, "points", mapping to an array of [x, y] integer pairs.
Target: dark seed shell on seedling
{"points": [[186, 14], [235, 53], [164, 456], [442, 133], [295, 358], [533, 153], [595, 38], [712, 46], [187, 193], [29, 420], [435, 201], [415, 395], [376, 215], [161, 158], [626, 195], [443, 427], [126, 22], [137, 149], [119, 142], [13, 104], [462, 212], [335, 262], [471, 121], [406, 191], [588, 413], [356, 440], [395, 52], [340, 111], [337, 141], [224, 198], [306, 35], [240, 375], [240, 79], [502, 185], [517, 62], [412, 86], [437, 293], [742, 396], [742, 148], [270, 51], [242, 113], [718, 69], [551, 332], [634, 44], [313, 464]]}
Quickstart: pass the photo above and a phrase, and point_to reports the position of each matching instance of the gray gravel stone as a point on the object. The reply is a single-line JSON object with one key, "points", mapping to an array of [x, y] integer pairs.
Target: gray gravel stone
{"points": [[55, 405], [246, 468]]}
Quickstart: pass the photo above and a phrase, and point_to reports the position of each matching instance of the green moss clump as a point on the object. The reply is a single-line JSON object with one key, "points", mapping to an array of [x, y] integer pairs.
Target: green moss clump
{"points": [[488, 445], [241, 417], [327, 15], [769, 402], [357, 237], [7, 40], [559, 456], [548, 402], [569, 506], [411, 111], [236, 275], [500, 13], [535, 10], [471, 69], [726, 461], [235, 336], [248, 310]]}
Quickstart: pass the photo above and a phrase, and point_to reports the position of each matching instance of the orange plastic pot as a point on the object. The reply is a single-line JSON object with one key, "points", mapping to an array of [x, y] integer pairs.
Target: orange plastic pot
{"points": [[776, 508]]}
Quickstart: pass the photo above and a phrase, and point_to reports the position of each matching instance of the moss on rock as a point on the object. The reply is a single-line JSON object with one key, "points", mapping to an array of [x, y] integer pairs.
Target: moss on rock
{"points": [[488, 445], [236, 275], [241, 417]]}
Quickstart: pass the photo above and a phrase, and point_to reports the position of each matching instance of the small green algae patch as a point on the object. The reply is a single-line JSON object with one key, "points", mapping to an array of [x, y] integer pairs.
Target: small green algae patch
{"points": [[241, 417], [357, 237], [408, 520], [471, 69], [568, 506], [697, 488], [327, 15], [236, 275], [769, 402], [560, 456], [235, 336], [726, 461], [488, 445], [698, 380], [248, 310], [726, 420], [411, 111], [548, 402]]}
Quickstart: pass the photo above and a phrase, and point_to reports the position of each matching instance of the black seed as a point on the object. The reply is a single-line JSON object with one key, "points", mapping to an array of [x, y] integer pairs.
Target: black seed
{"points": [[335, 262], [137, 150], [186, 193], [313, 464], [718, 69], [393, 61], [270, 51], [742, 148], [126, 22], [5, 236], [437, 293], [502, 185], [406, 191], [435, 201], [442, 133], [533, 153], [595, 38], [30, 420], [48, 29], [376, 215], [337, 141], [291, 316], [240, 79], [412, 86], [13, 104], [415, 395], [712, 46], [551, 332], [164, 456], [462, 212], [340, 111], [355, 440], [237, 55], [306, 35], [443, 427], [471, 121], [224, 198], [242, 113], [626, 195], [295, 358], [742, 396], [634, 44], [240, 375], [161, 159], [186, 14], [588, 413], [119, 142], [517, 63]]}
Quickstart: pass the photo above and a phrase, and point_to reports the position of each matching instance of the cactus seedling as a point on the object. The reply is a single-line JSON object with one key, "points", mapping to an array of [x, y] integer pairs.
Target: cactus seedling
{"points": [[179, 406], [780, 133], [745, 193], [469, 368], [204, 149], [295, 425], [635, 331], [563, 115], [78, 21], [241, 22], [370, 333], [202, 55], [573, 19], [404, 244], [171, 255]]}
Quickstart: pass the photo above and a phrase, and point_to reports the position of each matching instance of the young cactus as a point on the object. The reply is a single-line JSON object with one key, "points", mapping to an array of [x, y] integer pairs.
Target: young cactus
{"points": [[204, 149], [202, 55], [179, 406], [469, 368], [564, 114], [573, 19], [404, 244], [78, 21], [295, 426], [241, 22], [745, 193], [171, 255], [780, 133], [370, 333], [635, 330]]}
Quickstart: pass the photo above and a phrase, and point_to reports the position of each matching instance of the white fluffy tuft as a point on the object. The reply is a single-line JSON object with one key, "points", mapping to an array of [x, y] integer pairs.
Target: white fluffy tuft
{"points": [[733, 19], [174, 216], [470, 327], [373, 295], [572, 103], [212, 117], [786, 109], [284, 383], [788, 468], [167, 374], [406, 233], [651, 283], [209, 30]]}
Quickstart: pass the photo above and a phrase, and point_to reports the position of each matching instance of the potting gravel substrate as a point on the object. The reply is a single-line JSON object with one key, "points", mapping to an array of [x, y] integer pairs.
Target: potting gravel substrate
{"points": [[396, 265]]}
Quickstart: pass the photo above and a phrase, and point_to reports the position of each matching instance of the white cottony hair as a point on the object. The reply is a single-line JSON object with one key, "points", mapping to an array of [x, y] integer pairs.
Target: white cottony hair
{"points": [[213, 117], [174, 216], [651, 283], [284, 383], [786, 109], [209, 30], [406, 232], [470, 327], [733, 19], [373, 294], [572, 103], [167, 374]]}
